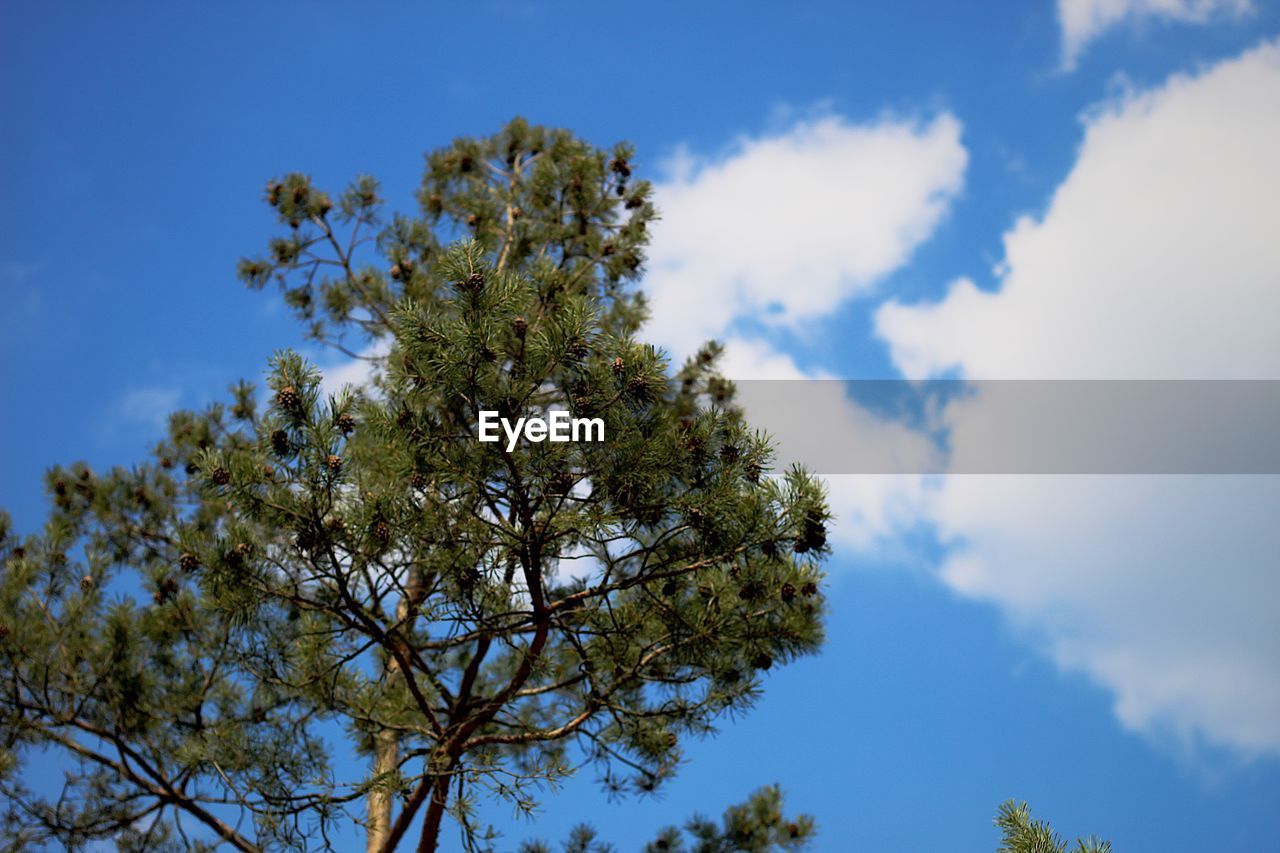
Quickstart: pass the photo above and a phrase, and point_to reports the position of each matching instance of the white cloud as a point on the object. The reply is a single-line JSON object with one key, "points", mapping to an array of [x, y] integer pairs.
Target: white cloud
{"points": [[1162, 589], [1084, 20], [357, 372], [1156, 258], [788, 226]]}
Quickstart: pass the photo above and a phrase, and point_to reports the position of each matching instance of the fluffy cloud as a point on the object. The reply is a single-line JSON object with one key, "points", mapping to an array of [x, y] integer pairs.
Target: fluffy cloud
{"points": [[783, 229], [1156, 258], [787, 226], [1163, 589], [1083, 20]]}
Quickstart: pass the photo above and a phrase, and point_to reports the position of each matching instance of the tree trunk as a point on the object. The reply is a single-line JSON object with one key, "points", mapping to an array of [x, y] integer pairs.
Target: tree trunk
{"points": [[386, 755], [386, 743], [435, 813]]}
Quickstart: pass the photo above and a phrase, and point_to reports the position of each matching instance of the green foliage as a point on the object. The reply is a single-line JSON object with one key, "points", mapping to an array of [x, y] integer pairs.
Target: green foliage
{"points": [[1021, 833], [755, 826], [540, 200], [479, 621]]}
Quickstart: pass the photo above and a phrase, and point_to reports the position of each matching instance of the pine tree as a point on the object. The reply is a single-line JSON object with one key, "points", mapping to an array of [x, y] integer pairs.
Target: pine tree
{"points": [[307, 572], [1021, 833]]}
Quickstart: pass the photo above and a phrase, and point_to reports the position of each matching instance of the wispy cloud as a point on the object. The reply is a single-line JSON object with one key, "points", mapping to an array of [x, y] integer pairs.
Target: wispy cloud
{"points": [[149, 406], [1082, 21]]}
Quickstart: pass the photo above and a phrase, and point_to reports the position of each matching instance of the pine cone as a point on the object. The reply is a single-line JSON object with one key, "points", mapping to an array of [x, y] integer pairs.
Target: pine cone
{"points": [[473, 220], [560, 483], [220, 476], [288, 398], [762, 661], [418, 480], [814, 535], [669, 588], [346, 424], [577, 348], [333, 462], [280, 442], [86, 582], [809, 589], [474, 283], [729, 453], [788, 592], [4, 632], [520, 325], [633, 202], [638, 387], [381, 532], [618, 366], [188, 562], [395, 272], [465, 163]]}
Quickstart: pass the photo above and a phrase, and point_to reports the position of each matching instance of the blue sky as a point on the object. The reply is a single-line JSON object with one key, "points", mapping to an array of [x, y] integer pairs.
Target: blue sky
{"points": [[1069, 189]]}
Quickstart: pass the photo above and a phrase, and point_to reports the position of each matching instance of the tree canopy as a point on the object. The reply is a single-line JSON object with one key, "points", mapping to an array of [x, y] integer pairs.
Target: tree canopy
{"points": [[299, 572]]}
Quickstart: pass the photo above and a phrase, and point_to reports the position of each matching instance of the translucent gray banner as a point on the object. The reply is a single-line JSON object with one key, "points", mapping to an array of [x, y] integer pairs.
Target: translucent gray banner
{"points": [[1020, 426]]}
